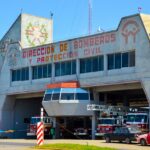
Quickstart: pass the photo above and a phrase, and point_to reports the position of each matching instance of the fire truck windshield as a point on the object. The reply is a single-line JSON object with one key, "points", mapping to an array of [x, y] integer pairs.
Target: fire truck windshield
{"points": [[35, 120], [137, 118], [107, 121]]}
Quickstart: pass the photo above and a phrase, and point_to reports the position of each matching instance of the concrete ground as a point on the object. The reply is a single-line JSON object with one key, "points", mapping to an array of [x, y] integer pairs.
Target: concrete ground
{"points": [[17, 144]]}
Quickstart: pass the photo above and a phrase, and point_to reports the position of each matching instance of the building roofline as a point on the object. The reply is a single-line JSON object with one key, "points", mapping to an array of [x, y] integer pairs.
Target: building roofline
{"points": [[96, 34], [19, 16], [36, 16]]}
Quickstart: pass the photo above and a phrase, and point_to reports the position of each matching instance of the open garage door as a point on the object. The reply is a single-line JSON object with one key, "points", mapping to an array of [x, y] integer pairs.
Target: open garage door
{"points": [[75, 127], [24, 109]]}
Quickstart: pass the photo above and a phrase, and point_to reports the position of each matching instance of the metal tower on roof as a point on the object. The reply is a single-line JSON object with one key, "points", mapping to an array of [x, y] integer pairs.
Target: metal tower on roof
{"points": [[90, 16]]}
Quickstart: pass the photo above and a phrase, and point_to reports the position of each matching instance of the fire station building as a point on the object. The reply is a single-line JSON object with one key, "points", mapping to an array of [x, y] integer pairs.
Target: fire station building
{"points": [[114, 66]]}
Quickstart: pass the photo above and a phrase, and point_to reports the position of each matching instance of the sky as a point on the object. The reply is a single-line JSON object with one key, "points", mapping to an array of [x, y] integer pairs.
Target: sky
{"points": [[70, 17]]}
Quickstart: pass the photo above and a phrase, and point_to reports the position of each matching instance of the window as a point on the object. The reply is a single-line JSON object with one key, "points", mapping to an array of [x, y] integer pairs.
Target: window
{"points": [[57, 69], [42, 71], [67, 96], [82, 96], [55, 96], [73, 67], [125, 59], [101, 63], [34, 72], [117, 60], [24, 74], [68, 67], [47, 97], [110, 61], [20, 74], [45, 71], [65, 68], [88, 65], [95, 64], [13, 75], [92, 64], [82, 66], [120, 60]]}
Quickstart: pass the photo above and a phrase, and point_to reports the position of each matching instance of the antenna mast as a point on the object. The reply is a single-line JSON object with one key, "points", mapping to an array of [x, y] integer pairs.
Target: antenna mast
{"points": [[90, 16]]}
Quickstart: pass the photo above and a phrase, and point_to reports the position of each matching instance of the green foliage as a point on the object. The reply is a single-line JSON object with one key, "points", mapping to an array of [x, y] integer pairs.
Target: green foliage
{"points": [[71, 147]]}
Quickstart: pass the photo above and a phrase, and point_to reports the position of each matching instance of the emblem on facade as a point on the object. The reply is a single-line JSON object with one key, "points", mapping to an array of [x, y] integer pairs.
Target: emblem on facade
{"points": [[13, 56], [36, 34], [130, 28]]}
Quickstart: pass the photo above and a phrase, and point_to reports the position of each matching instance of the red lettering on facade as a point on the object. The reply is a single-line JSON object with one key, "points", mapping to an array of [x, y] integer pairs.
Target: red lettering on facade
{"points": [[102, 40], [113, 37], [30, 53], [130, 28], [38, 52], [96, 40], [38, 60], [42, 51], [92, 51]]}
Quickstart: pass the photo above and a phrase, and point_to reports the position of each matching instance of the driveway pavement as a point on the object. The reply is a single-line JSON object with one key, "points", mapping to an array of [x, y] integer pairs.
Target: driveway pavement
{"points": [[17, 144]]}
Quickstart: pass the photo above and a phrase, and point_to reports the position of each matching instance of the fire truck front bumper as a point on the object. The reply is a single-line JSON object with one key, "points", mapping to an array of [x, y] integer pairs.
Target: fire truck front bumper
{"points": [[99, 134], [31, 134]]}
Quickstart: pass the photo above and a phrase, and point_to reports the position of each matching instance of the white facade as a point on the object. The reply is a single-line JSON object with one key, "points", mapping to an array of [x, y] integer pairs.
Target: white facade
{"points": [[132, 35]]}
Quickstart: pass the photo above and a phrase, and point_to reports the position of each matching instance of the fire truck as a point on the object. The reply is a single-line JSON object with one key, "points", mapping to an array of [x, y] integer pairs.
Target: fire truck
{"points": [[114, 116], [32, 129], [139, 120], [109, 118], [107, 125]]}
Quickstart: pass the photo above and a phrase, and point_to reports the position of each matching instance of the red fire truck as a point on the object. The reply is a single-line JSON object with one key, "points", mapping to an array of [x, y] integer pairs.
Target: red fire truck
{"points": [[107, 125], [109, 118], [139, 120], [32, 129]]}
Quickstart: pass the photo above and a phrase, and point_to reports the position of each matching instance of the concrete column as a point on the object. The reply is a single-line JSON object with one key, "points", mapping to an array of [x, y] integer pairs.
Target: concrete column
{"points": [[93, 126], [77, 68], [54, 126], [96, 97], [30, 74], [53, 73], [105, 64], [7, 113], [146, 87]]}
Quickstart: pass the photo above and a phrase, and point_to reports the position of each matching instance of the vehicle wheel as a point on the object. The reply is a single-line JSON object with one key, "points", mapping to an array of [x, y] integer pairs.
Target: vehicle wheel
{"points": [[143, 142], [107, 140], [127, 140]]}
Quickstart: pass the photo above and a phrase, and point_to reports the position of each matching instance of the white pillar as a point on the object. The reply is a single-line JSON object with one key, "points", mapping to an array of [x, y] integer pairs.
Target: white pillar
{"points": [[42, 114]]}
